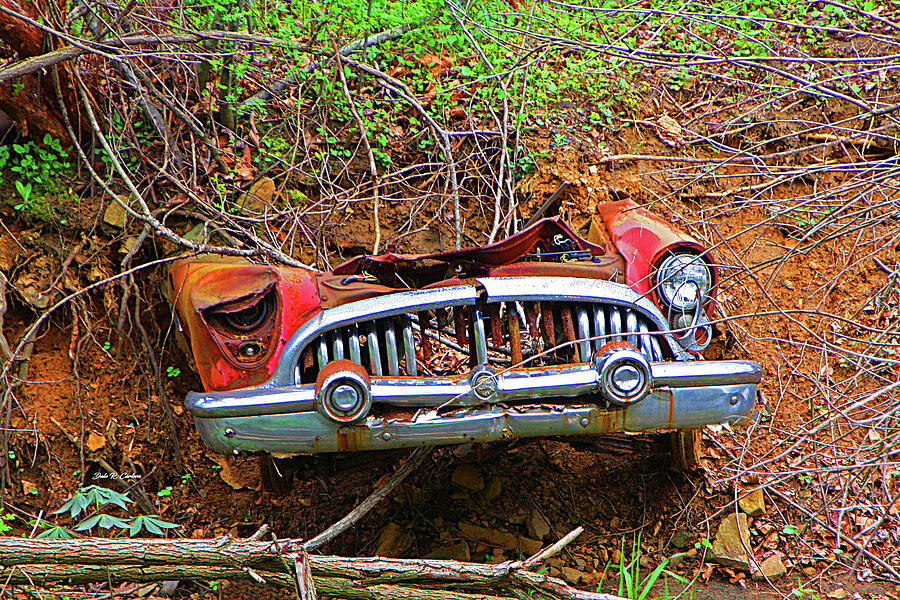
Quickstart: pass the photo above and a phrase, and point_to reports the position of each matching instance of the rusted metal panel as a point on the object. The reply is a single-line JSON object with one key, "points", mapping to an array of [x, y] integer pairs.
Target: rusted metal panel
{"points": [[642, 238]]}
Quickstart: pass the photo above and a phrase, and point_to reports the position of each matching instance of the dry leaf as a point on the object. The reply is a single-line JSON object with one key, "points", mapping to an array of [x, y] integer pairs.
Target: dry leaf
{"points": [[235, 478], [96, 442], [669, 131]]}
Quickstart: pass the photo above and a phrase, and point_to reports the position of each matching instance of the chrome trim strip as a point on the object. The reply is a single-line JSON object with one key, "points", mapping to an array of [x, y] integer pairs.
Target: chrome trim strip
{"points": [[311, 432], [705, 372], [514, 385]]}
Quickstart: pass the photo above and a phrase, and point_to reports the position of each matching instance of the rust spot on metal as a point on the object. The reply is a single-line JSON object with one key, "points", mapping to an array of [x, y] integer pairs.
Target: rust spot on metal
{"points": [[531, 318], [493, 316], [669, 396], [459, 322], [515, 336], [608, 267], [547, 320], [351, 439], [424, 322], [565, 314]]}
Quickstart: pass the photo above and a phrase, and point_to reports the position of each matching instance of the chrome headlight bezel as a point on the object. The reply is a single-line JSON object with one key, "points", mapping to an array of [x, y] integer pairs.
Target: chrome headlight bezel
{"points": [[683, 281]]}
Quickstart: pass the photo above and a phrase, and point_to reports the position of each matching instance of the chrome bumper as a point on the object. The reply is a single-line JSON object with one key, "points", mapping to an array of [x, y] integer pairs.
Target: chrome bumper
{"points": [[517, 403]]}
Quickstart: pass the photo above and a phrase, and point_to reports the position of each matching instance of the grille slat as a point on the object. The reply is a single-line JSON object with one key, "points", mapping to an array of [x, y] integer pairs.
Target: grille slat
{"points": [[615, 323], [353, 338], [478, 335], [584, 334], [374, 348], [322, 353], [338, 345], [390, 345], [599, 327], [515, 334], [497, 334], [631, 324], [409, 347]]}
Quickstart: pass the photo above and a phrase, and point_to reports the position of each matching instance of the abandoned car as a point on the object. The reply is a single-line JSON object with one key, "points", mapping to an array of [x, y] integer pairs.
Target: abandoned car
{"points": [[543, 334]]}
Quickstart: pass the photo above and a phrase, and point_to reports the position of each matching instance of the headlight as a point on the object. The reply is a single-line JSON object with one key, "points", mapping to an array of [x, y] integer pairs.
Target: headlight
{"points": [[683, 279]]}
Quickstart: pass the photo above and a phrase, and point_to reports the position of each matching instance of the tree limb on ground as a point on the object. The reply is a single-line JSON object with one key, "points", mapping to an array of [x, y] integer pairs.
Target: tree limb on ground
{"points": [[100, 560], [43, 61]]}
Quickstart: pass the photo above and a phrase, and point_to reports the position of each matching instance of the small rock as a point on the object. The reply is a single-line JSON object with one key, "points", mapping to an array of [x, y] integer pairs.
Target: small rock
{"points": [[682, 539], [592, 169], [458, 551], [518, 517], [729, 548], [499, 539], [391, 541], [754, 503], [603, 554], [537, 525], [770, 568], [468, 476], [838, 594], [614, 523], [788, 284], [95, 442], [646, 562], [259, 196], [492, 490], [572, 576], [115, 213]]}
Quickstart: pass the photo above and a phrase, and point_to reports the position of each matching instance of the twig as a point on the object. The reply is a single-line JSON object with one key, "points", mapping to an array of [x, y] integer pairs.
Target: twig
{"points": [[415, 459], [281, 86], [5, 350], [554, 549], [305, 584]]}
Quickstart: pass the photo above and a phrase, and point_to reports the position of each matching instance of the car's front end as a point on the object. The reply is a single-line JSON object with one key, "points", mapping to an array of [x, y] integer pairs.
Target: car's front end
{"points": [[545, 334]]}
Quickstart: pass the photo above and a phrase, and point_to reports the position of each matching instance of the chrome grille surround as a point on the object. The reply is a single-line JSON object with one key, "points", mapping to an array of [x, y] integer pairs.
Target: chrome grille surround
{"points": [[631, 317]]}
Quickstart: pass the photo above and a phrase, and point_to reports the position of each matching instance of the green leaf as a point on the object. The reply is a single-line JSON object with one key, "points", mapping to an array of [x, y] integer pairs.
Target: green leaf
{"points": [[651, 578], [103, 521], [74, 505], [150, 523], [56, 532]]}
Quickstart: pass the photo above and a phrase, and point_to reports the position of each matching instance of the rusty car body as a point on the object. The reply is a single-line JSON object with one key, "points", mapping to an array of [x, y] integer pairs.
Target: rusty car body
{"points": [[543, 334]]}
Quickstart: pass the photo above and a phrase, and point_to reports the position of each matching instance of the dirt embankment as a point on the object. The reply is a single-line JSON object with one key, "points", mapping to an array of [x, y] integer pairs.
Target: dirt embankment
{"points": [[91, 412]]}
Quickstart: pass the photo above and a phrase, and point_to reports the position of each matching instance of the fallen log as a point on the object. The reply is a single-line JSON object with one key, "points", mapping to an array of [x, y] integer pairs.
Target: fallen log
{"points": [[44, 562]]}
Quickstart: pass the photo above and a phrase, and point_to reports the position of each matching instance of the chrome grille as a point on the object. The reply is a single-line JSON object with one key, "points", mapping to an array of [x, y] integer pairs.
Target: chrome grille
{"points": [[448, 340]]}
